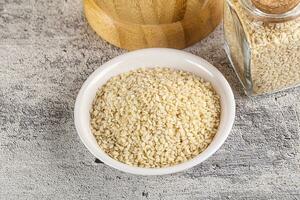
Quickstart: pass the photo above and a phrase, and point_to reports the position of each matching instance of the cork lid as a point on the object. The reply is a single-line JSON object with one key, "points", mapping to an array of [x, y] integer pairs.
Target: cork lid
{"points": [[275, 6]]}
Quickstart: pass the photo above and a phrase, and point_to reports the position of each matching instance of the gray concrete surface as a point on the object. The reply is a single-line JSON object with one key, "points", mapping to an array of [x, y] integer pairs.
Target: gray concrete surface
{"points": [[47, 51]]}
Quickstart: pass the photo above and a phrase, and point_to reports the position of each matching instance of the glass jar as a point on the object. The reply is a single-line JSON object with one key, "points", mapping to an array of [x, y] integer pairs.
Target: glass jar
{"points": [[263, 48]]}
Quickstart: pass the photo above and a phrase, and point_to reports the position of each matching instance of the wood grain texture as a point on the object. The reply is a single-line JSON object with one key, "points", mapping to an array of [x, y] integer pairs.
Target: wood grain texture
{"points": [[134, 24], [275, 6]]}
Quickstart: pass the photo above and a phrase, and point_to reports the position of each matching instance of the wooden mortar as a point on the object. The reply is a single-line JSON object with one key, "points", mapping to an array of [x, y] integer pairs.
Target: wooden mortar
{"points": [[135, 24]]}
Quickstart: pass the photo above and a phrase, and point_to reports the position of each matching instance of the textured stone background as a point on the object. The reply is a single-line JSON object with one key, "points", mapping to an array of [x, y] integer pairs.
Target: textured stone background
{"points": [[47, 51]]}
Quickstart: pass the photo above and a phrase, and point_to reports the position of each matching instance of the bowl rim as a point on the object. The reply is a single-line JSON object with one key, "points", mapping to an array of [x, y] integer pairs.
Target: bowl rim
{"points": [[223, 130]]}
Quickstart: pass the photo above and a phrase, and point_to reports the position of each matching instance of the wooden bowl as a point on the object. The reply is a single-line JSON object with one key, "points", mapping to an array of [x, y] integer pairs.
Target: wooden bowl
{"points": [[136, 24]]}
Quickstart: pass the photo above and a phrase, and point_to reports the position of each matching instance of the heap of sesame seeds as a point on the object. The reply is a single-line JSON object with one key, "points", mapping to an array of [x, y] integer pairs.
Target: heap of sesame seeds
{"points": [[155, 117]]}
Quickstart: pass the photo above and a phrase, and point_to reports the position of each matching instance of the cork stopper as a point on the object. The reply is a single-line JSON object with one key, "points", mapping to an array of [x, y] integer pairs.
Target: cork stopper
{"points": [[275, 6]]}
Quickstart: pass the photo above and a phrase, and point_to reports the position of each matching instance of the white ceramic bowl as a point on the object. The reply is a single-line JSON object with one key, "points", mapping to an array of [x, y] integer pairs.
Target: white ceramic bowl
{"points": [[156, 57]]}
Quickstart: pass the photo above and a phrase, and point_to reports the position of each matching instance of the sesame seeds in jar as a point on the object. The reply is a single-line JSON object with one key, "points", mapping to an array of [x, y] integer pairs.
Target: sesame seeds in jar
{"points": [[264, 48]]}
